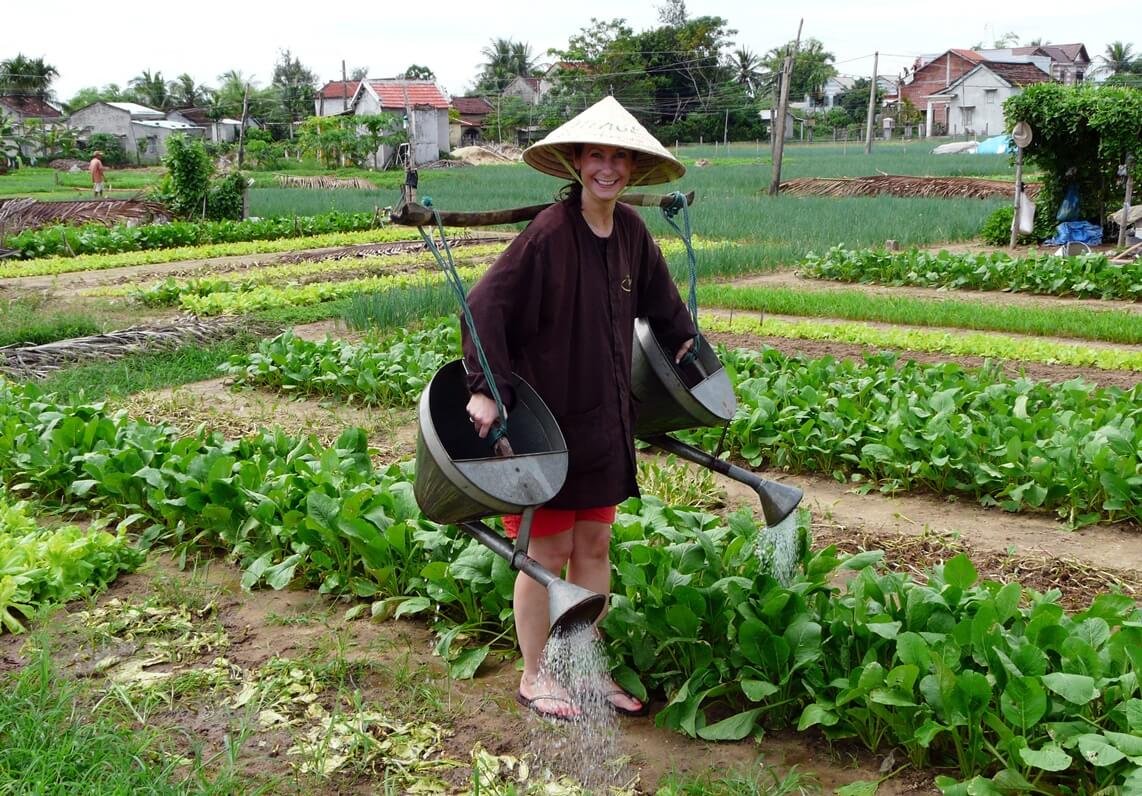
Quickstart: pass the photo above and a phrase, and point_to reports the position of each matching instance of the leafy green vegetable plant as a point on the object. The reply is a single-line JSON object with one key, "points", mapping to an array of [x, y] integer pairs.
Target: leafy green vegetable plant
{"points": [[1088, 275]]}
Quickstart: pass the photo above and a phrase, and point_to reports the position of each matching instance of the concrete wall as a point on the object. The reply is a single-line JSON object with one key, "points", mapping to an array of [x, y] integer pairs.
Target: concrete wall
{"points": [[100, 118], [981, 98]]}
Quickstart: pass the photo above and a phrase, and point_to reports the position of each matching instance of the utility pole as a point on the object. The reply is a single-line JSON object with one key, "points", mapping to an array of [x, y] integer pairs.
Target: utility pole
{"points": [[242, 126], [1126, 204], [344, 89], [871, 106], [777, 126], [726, 132]]}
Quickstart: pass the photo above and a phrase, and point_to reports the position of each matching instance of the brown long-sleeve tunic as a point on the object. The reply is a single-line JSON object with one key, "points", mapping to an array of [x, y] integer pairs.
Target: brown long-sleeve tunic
{"points": [[558, 307]]}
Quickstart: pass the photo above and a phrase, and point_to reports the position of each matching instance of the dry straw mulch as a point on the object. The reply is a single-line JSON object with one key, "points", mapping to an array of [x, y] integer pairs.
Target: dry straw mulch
{"points": [[17, 215], [37, 362], [322, 181], [899, 185]]}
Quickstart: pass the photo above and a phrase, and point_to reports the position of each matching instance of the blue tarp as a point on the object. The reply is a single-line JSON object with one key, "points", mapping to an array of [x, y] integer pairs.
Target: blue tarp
{"points": [[1076, 232], [996, 145]]}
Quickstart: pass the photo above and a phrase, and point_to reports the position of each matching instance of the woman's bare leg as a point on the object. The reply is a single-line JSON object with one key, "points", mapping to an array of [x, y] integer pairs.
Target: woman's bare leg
{"points": [[590, 568], [532, 623]]}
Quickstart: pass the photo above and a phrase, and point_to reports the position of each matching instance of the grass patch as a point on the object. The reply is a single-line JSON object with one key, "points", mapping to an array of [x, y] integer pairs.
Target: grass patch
{"points": [[153, 371], [29, 321], [400, 307], [39, 182], [1084, 324], [52, 742]]}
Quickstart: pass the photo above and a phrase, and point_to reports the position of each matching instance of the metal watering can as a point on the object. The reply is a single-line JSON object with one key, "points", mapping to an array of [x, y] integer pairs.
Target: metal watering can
{"points": [[694, 394], [460, 481]]}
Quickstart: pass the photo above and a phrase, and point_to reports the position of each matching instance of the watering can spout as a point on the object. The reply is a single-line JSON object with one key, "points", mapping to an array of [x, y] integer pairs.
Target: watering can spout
{"points": [[571, 608]]}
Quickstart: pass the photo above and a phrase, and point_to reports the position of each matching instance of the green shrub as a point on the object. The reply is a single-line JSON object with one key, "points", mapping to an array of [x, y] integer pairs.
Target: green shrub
{"points": [[996, 230], [110, 146], [224, 199]]}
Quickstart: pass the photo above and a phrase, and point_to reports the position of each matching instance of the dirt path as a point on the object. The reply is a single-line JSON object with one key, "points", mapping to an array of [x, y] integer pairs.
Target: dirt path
{"points": [[1113, 547], [790, 280], [1126, 379]]}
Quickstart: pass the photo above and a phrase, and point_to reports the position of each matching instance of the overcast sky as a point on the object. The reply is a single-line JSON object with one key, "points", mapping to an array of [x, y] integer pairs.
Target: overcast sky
{"points": [[93, 44]]}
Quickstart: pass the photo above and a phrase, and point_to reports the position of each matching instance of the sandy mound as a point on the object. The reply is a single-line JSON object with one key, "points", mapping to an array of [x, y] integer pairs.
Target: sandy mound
{"points": [[483, 155]]}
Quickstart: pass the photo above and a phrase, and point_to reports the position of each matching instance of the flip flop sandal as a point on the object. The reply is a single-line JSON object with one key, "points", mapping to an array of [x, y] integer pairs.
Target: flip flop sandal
{"points": [[530, 705], [620, 710]]}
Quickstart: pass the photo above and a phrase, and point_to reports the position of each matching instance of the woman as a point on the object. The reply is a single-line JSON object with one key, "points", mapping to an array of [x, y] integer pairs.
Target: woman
{"points": [[558, 308]]}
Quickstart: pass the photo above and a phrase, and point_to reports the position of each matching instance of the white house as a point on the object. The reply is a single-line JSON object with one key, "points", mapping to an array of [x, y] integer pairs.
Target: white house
{"points": [[422, 106], [219, 131], [143, 131], [335, 97], [975, 100]]}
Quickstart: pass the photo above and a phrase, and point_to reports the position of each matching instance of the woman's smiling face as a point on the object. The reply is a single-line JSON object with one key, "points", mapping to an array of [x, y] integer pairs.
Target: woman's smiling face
{"points": [[605, 170]]}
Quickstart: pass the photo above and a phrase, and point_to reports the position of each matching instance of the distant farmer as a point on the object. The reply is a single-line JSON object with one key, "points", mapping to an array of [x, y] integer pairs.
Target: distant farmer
{"points": [[96, 169]]}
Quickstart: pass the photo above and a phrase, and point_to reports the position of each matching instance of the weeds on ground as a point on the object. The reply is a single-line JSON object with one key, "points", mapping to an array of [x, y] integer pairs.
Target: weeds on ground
{"points": [[762, 780]]}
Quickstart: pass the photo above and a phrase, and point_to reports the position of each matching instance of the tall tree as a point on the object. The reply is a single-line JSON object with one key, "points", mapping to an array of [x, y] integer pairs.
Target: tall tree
{"points": [[505, 60], [672, 13], [295, 87], [418, 72], [111, 92], [747, 70], [687, 66], [150, 89], [185, 93], [359, 73], [812, 66], [603, 58], [30, 77], [1119, 59]]}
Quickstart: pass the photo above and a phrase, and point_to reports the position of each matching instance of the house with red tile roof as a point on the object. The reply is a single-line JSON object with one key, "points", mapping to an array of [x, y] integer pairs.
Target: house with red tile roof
{"points": [[929, 77], [422, 107], [974, 102], [468, 129], [335, 97]]}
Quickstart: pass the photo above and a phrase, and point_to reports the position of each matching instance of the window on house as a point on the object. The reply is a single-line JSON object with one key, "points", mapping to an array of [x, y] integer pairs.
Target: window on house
{"points": [[990, 95], [966, 117]]}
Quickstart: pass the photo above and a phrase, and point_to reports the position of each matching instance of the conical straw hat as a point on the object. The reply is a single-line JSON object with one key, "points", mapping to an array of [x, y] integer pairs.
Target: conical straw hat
{"points": [[609, 123]]}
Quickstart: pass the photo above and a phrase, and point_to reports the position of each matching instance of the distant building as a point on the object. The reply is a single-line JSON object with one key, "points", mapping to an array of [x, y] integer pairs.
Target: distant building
{"points": [[469, 128], [974, 102], [18, 109], [219, 131], [143, 131], [335, 97], [422, 107], [1068, 63]]}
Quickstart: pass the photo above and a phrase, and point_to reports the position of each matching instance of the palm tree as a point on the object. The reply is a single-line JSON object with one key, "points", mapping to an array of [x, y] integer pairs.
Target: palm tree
{"points": [[185, 93], [150, 89], [1119, 59], [30, 77], [746, 66], [505, 59]]}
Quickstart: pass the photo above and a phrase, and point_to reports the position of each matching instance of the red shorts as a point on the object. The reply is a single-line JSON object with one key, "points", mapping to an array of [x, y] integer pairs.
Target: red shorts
{"points": [[548, 522]]}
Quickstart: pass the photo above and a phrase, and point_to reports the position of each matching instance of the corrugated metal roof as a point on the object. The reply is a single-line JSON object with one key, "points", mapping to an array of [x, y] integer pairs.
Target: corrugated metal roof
{"points": [[396, 94], [135, 109], [166, 124]]}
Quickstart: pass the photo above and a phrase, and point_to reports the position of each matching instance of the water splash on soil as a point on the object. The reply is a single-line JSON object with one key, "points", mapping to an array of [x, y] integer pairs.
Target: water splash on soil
{"points": [[587, 749], [777, 549]]}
